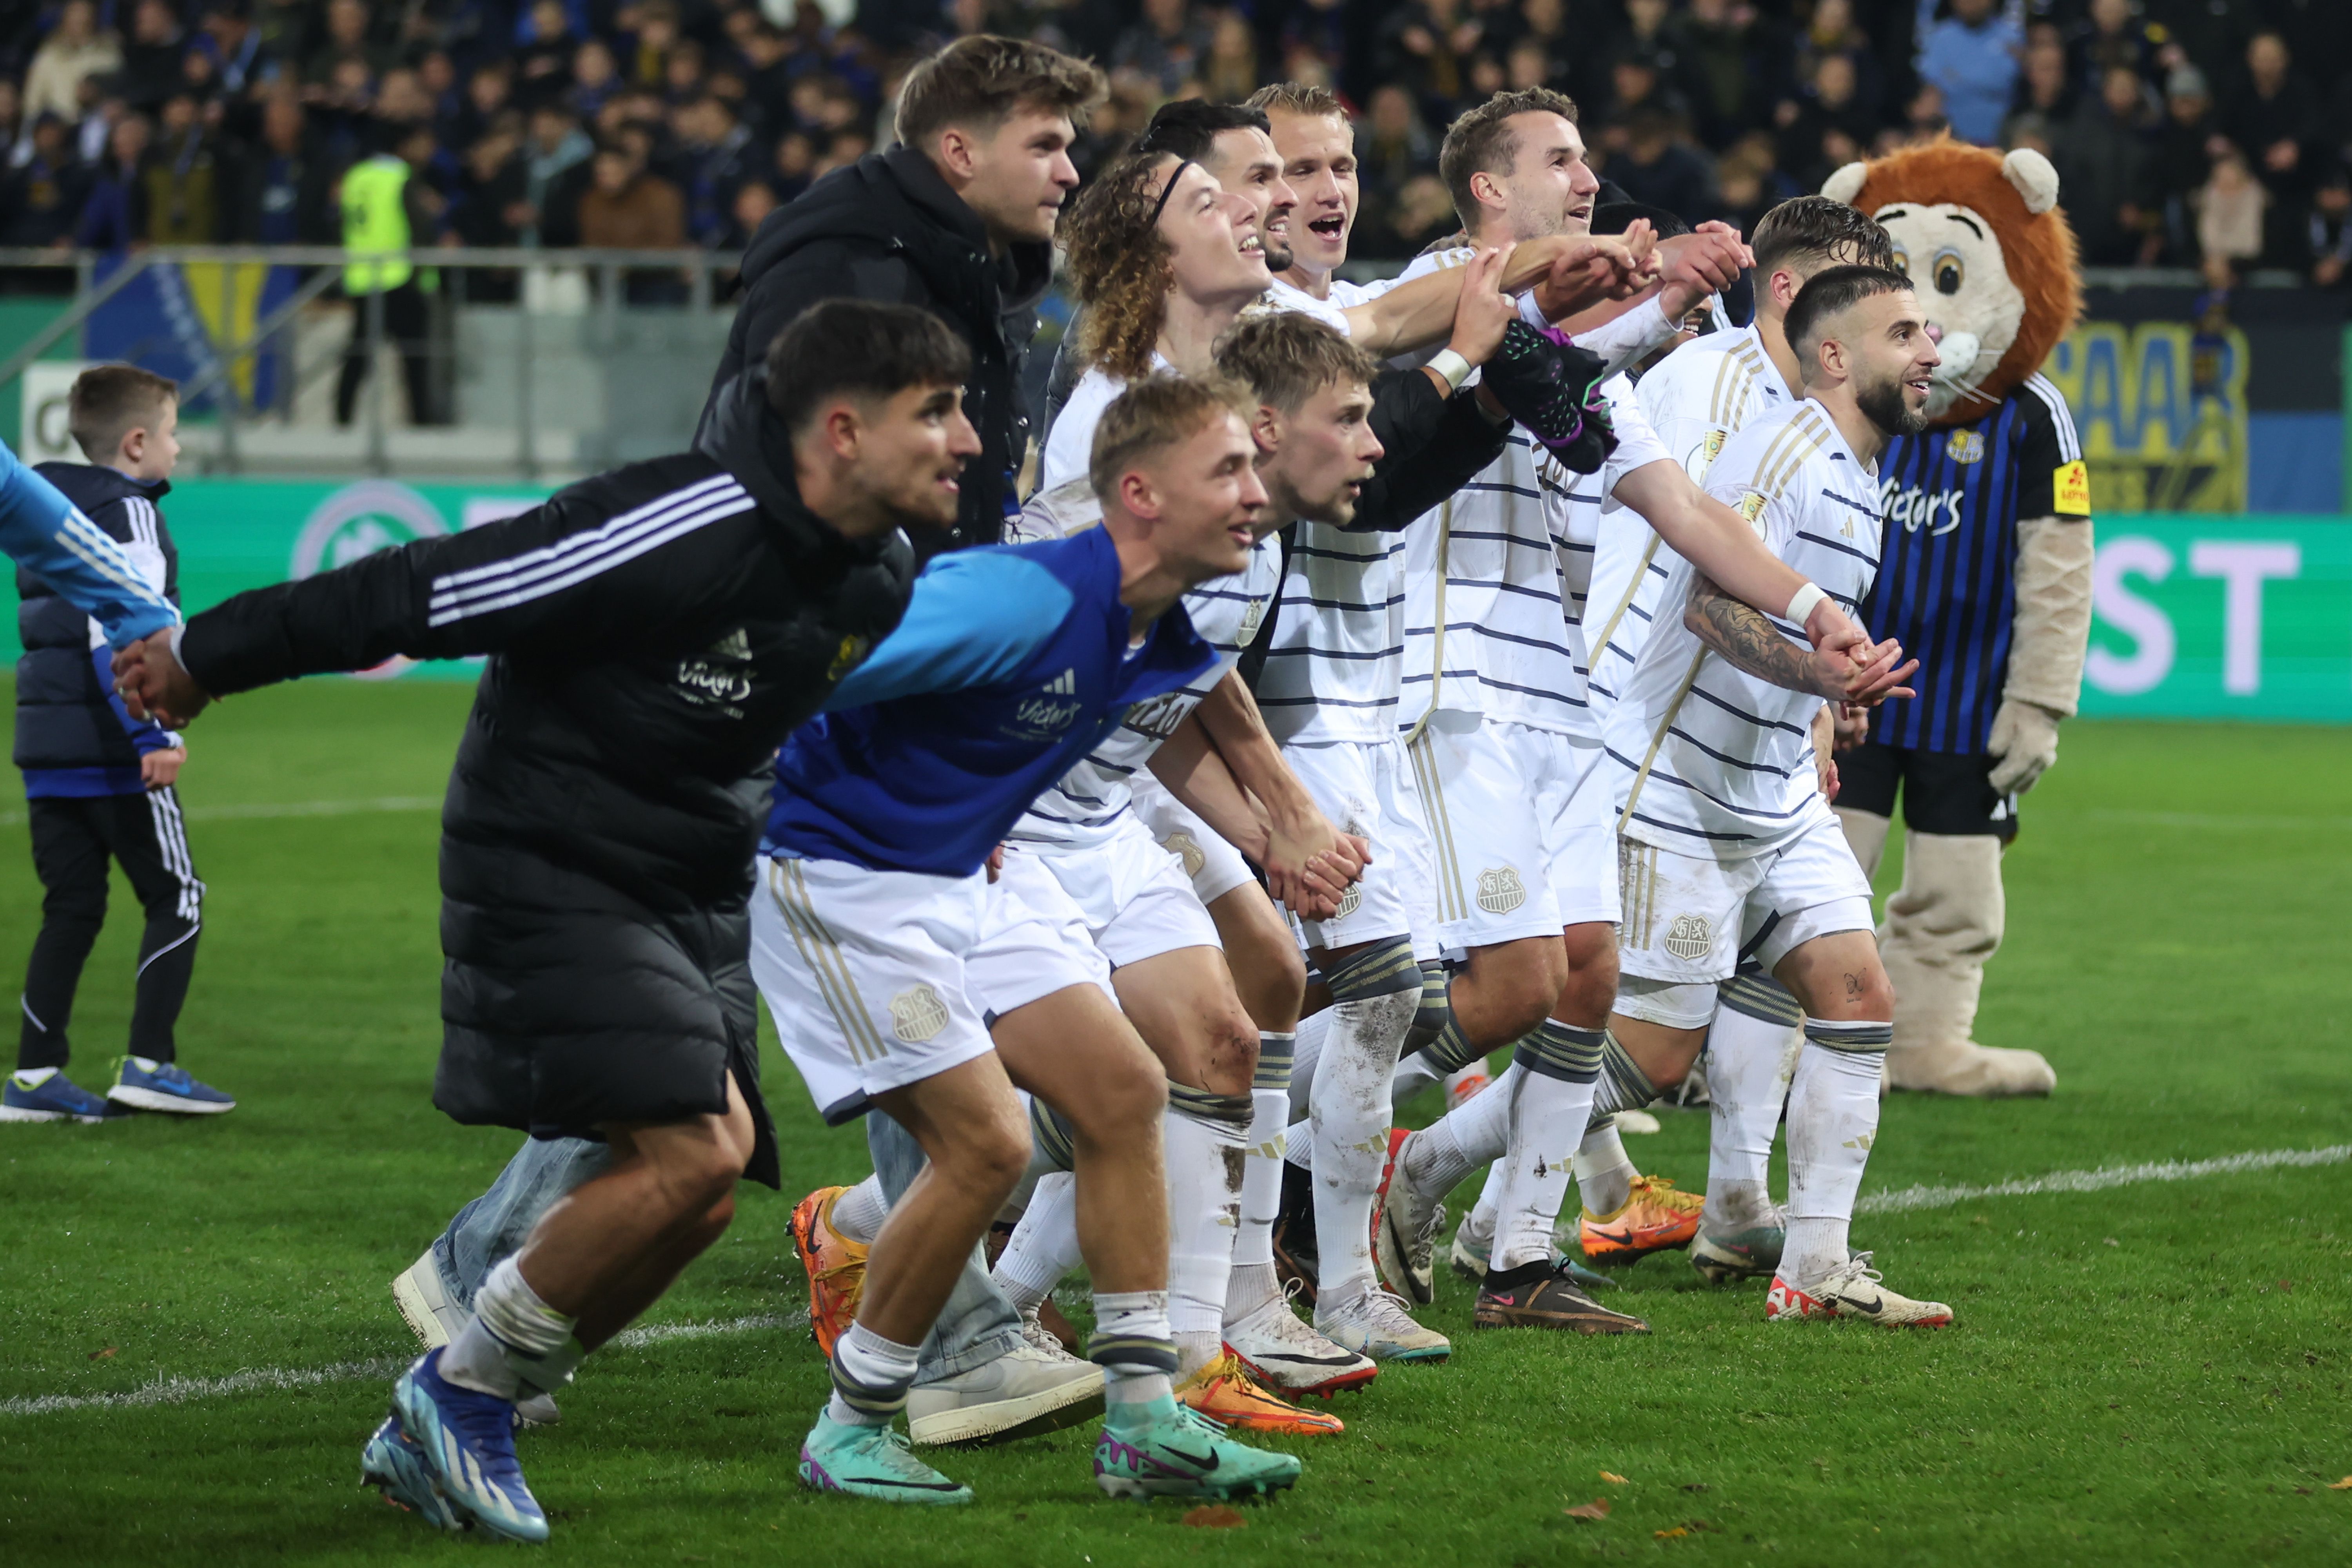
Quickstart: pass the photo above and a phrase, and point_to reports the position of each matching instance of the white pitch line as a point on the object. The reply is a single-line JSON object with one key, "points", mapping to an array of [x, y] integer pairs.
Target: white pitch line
{"points": [[1907, 1198], [284, 808], [280, 1379]]}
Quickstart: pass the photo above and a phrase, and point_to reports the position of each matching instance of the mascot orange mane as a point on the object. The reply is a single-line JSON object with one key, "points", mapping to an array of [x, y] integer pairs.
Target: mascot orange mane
{"points": [[1997, 478]]}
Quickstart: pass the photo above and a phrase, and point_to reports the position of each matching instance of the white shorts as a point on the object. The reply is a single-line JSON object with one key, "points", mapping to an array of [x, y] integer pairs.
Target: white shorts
{"points": [[1689, 919], [1132, 894], [1366, 788], [1491, 874], [1577, 817], [1215, 867], [877, 980]]}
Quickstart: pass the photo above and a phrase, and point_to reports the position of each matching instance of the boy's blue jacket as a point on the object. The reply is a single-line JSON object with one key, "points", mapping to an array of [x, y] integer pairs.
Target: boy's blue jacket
{"points": [[44, 533], [1013, 663]]}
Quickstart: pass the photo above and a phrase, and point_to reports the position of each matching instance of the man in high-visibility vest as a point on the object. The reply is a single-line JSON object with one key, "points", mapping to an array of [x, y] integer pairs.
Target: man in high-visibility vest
{"points": [[386, 210]]}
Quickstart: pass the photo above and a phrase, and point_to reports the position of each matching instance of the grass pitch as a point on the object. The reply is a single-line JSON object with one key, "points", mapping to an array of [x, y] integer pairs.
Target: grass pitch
{"points": [[2154, 1372]]}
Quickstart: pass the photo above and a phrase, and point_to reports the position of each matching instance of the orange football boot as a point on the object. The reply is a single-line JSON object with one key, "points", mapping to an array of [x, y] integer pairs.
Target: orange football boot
{"points": [[1223, 1392], [835, 1265], [1654, 1217]]}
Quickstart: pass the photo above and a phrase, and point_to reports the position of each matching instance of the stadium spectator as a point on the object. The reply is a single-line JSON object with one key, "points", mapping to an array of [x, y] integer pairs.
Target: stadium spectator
{"points": [[186, 185], [151, 59], [388, 208], [240, 61], [1167, 45], [114, 215], [2328, 232], [346, 41], [2273, 118], [627, 206], [556, 173], [283, 185], [1971, 57], [2109, 36], [2181, 156], [1827, 129], [717, 155], [43, 197], [2103, 168], [1659, 168], [76, 51], [2230, 209]]}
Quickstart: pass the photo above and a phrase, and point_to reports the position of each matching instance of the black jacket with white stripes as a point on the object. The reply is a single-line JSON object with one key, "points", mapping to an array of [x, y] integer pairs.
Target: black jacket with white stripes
{"points": [[73, 736], [654, 633]]}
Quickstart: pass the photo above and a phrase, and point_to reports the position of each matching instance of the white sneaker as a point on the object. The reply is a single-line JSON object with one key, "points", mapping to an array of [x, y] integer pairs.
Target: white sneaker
{"points": [[1409, 1220], [1852, 1289], [1374, 1323], [1044, 1339], [436, 1319], [1286, 1356], [1021, 1393]]}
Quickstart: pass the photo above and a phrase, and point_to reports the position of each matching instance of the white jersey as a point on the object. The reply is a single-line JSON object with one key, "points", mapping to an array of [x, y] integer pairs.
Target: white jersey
{"points": [[1085, 805], [1332, 312], [1695, 399], [1070, 446], [1709, 758]]}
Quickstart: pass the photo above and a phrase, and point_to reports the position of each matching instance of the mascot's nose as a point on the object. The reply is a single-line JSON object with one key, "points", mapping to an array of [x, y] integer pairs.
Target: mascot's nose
{"points": [[1935, 334]]}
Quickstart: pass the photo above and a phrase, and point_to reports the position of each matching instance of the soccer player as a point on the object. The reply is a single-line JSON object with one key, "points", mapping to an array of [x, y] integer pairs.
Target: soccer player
{"points": [[1494, 673], [1014, 663], [654, 633], [99, 784], [1695, 399], [1726, 850]]}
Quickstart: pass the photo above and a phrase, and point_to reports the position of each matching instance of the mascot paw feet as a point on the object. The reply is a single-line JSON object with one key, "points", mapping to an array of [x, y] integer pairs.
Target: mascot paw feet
{"points": [[1972, 1071]]}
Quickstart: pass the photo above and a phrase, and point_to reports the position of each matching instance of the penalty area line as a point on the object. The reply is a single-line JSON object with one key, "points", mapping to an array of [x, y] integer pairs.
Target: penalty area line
{"points": [[1906, 1199], [283, 1379]]}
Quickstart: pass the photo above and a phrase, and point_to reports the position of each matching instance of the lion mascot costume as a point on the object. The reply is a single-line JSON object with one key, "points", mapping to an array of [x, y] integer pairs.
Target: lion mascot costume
{"points": [[1986, 579]]}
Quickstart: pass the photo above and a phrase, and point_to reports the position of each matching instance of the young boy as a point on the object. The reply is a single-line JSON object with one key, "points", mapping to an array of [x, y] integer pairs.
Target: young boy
{"points": [[98, 782]]}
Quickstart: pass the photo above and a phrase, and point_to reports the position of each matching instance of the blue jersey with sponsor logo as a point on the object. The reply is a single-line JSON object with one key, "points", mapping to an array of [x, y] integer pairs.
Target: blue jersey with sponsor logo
{"points": [[1013, 663], [1947, 579]]}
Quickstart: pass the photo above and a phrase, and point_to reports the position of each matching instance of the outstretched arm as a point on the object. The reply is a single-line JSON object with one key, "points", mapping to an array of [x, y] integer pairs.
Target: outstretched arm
{"points": [[1748, 639], [1719, 543], [47, 535]]}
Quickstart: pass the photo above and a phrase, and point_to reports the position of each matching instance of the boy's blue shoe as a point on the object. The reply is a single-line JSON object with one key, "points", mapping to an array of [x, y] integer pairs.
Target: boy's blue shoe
{"points": [[56, 1098], [873, 1462], [146, 1085], [460, 1448]]}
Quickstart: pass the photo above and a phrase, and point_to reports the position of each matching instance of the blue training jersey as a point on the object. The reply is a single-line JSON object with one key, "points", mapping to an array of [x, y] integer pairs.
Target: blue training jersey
{"points": [[46, 533], [1946, 576], [1013, 663]]}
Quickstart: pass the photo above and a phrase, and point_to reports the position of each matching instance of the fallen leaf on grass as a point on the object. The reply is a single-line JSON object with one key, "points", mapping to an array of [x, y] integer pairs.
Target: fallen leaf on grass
{"points": [[1216, 1519], [1676, 1533], [2344, 1485], [1598, 1509], [101, 1355], [1614, 1478]]}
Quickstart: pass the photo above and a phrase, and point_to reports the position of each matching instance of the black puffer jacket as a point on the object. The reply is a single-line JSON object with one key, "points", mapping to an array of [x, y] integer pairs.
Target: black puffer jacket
{"points": [[70, 737], [887, 228], [655, 633]]}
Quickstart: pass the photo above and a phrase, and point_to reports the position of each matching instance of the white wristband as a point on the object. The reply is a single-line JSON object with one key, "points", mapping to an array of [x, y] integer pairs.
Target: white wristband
{"points": [[1452, 366], [1802, 602]]}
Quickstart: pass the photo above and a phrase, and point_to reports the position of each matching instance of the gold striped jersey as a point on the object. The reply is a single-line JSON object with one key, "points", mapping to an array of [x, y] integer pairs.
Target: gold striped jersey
{"points": [[1709, 758]]}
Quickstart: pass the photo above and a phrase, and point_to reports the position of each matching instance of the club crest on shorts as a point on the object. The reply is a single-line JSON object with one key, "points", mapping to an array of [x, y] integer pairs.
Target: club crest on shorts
{"points": [[1688, 938], [916, 1014], [1350, 900], [1500, 891], [1180, 844]]}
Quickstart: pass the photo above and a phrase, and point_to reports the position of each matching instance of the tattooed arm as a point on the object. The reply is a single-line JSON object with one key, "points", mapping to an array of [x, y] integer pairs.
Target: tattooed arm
{"points": [[1748, 640]]}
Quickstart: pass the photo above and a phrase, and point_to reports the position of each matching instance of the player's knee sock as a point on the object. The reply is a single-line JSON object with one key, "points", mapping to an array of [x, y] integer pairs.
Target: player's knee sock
{"points": [[1604, 1174], [1132, 1344], [870, 1377], [1555, 1069], [1832, 1121], [1305, 1052], [1044, 1247], [1374, 993], [1253, 1284], [1435, 1006], [1451, 1049], [1464, 1138], [858, 1213], [1751, 1052], [516, 1343], [1205, 1136], [1622, 1085], [1487, 1211]]}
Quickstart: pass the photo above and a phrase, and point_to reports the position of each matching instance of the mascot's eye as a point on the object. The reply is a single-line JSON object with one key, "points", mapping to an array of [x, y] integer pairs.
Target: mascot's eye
{"points": [[1948, 274], [1901, 260]]}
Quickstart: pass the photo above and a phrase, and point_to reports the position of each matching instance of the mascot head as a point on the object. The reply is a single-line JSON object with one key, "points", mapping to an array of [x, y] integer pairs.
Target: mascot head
{"points": [[1991, 253]]}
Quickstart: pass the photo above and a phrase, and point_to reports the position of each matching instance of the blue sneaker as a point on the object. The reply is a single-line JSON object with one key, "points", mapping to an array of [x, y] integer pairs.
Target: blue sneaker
{"points": [[871, 1462], [146, 1085], [395, 1466], [54, 1099], [460, 1448]]}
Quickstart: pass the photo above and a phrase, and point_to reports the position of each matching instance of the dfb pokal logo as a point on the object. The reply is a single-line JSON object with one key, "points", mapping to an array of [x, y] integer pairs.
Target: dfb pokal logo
{"points": [[357, 521]]}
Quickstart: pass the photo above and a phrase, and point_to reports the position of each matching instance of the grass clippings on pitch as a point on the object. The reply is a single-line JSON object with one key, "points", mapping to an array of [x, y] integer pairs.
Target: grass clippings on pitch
{"points": [[2148, 1372]]}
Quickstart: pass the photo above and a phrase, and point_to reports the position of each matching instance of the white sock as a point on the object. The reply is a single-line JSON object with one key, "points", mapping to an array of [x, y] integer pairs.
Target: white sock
{"points": [[1413, 1074], [1262, 1178], [512, 1339], [1487, 1210], [1133, 1345], [1306, 1050], [1204, 1138], [1832, 1121], [1449, 1149], [1044, 1247], [858, 1214], [1379, 989], [1749, 1058], [870, 1377], [1604, 1175], [1546, 1121]]}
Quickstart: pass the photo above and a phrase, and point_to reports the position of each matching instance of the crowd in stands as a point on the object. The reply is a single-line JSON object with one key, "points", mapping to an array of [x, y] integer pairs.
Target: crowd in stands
{"points": [[2211, 134]]}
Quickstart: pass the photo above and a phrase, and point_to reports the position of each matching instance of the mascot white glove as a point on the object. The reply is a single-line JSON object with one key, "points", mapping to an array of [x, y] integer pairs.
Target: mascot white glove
{"points": [[2046, 649], [2025, 743]]}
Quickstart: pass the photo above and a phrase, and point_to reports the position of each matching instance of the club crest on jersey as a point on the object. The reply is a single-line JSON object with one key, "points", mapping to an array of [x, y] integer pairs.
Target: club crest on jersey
{"points": [[1500, 891], [1689, 938], [1181, 844], [851, 653], [1964, 446], [916, 1014]]}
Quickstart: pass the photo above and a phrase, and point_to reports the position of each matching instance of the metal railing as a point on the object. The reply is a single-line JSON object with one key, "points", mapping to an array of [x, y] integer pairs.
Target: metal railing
{"points": [[608, 289]]}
